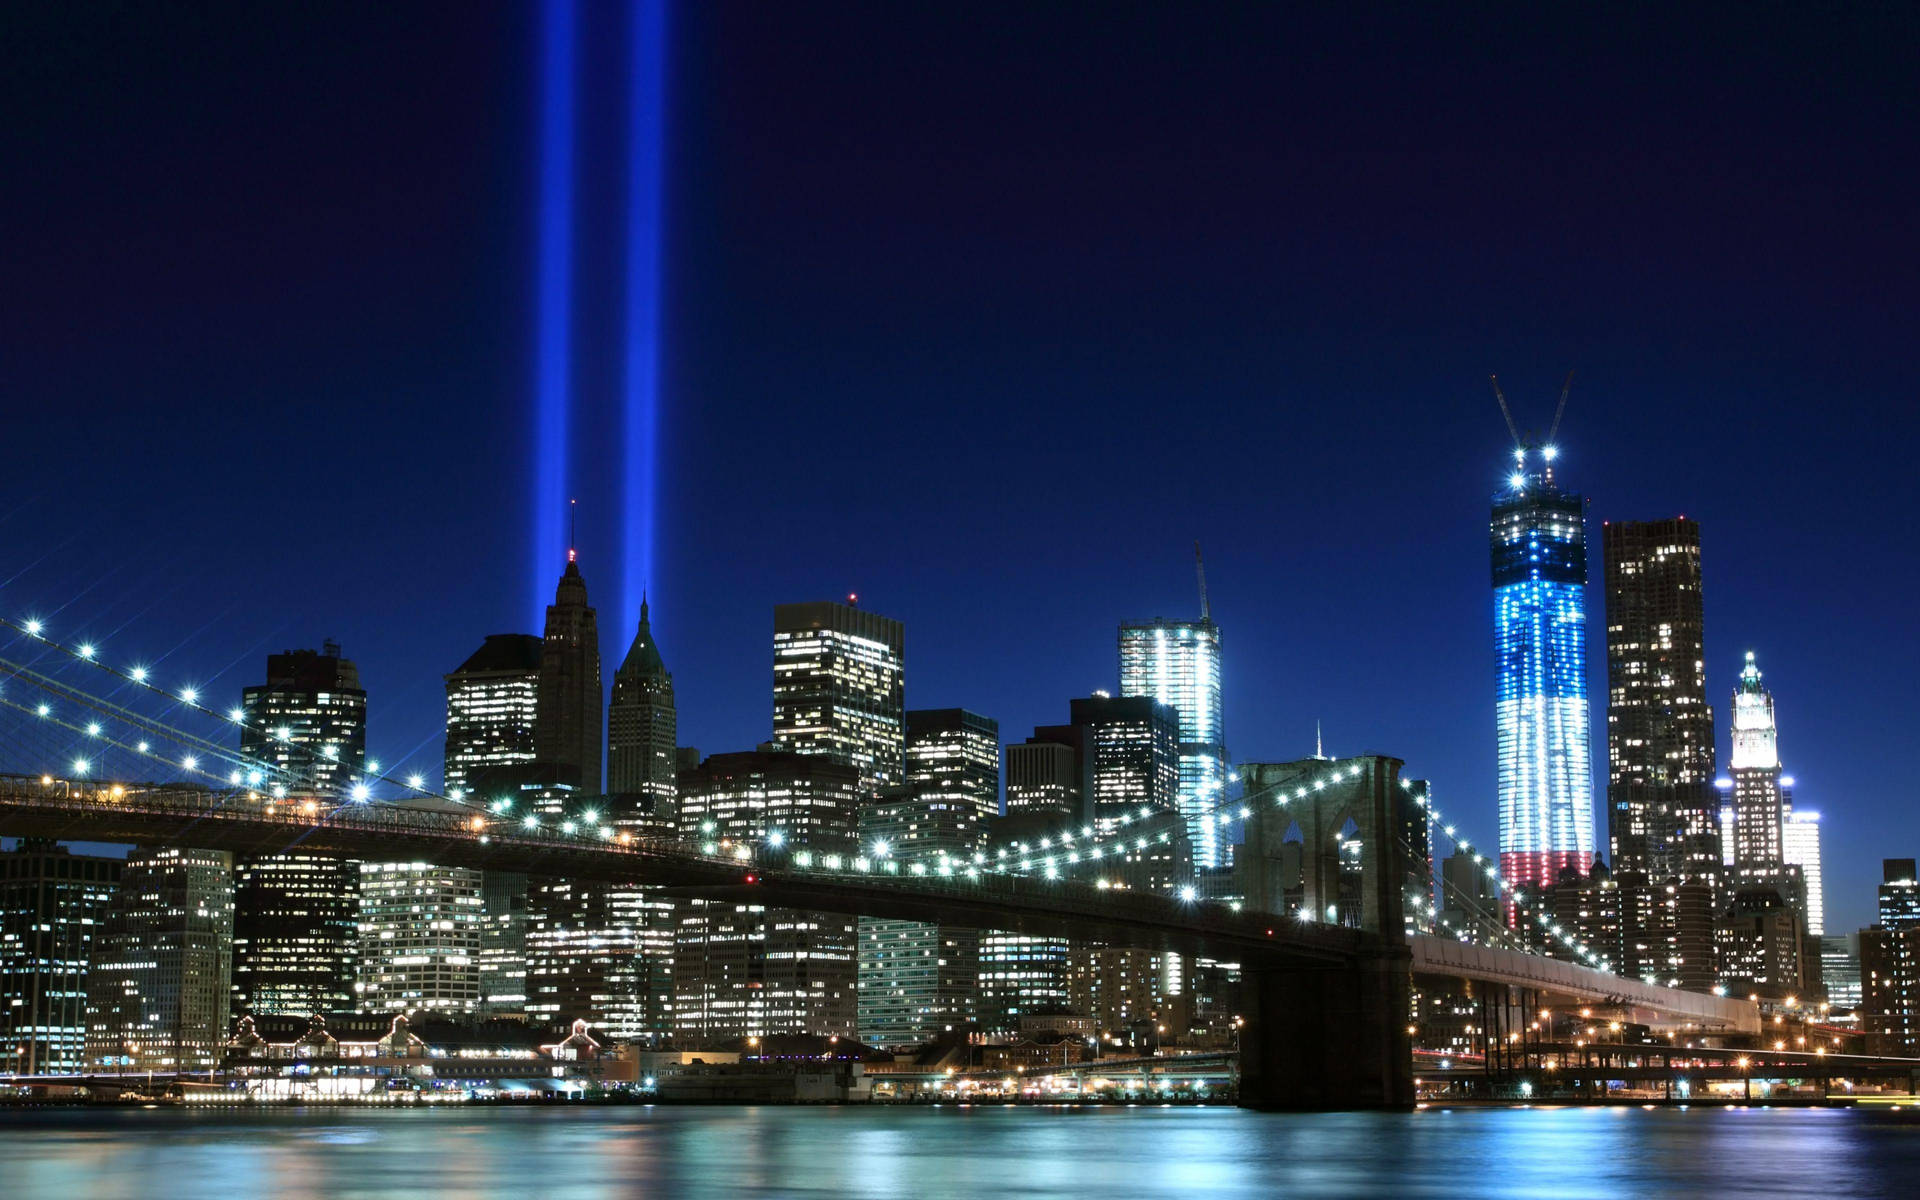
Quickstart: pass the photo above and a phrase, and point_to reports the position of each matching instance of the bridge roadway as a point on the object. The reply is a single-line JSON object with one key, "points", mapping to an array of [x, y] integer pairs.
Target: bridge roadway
{"points": [[244, 823]]}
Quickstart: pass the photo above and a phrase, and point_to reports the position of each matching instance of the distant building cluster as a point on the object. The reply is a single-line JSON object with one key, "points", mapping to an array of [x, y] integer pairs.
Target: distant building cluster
{"points": [[1711, 880]]}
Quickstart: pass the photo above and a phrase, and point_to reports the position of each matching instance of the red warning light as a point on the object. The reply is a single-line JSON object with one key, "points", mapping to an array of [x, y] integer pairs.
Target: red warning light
{"points": [[752, 878]]}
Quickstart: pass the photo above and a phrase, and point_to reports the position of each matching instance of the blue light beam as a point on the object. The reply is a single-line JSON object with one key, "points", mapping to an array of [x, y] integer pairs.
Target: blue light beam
{"points": [[553, 355], [646, 140]]}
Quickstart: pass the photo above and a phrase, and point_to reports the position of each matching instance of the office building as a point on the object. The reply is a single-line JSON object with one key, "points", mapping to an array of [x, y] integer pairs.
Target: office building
{"points": [[420, 932], [1840, 970], [1178, 664], [953, 757], [1890, 989], [917, 980], [1800, 845], [157, 990], [296, 915], [602, 953], [839, 688], [567, 705], [1020, 975], [744, 970], [642, 733], [492, 699], [503, 944], [1047, 775], [1133, 756], [1759, 808], [53, 904], [1899, 895], [1538, 540]]}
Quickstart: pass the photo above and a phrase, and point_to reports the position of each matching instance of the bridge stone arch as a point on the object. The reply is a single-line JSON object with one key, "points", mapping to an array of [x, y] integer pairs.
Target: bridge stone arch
{"points": [[1332, 1036]]}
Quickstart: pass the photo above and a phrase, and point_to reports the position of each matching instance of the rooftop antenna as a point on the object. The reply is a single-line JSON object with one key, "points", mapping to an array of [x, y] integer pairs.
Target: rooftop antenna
{"points": [[1319, 748], [1560, 411], [573, 512], [1507, 412], [1200, 566]]}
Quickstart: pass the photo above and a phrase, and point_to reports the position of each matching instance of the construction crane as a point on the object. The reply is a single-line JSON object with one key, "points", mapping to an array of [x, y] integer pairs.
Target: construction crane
{"points": [[1522, 443], [1200, 567]]}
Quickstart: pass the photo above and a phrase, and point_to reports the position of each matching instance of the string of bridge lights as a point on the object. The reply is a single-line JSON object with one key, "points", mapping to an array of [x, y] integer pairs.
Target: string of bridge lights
{"points": [[1049, 858]]}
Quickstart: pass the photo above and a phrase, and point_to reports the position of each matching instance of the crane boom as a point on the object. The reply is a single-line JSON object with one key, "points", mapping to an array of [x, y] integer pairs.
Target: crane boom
{"points": [[1504, 410], [1564, 389], [1200, 567]]}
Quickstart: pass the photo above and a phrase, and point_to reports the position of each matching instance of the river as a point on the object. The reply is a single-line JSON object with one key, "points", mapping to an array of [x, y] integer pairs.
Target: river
{"points": [[977, 1152]]}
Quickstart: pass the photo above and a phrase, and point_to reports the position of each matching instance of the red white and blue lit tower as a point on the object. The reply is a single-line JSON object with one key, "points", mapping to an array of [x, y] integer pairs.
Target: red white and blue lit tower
{"points": [[1540, 635]]}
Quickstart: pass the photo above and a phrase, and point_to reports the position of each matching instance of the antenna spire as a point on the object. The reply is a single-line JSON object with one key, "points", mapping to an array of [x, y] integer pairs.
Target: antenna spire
{"points": [[1319, 748], [1200, 566], [573, 512]]}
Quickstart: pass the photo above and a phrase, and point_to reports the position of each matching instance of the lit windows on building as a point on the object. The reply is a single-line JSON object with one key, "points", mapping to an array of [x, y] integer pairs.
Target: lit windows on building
{"points": [[1800, 844], [1178, 664], [492, 698], [420, 932], [954, 755], [157, 989], [839, 687], [53, 904], [1538, 543]]}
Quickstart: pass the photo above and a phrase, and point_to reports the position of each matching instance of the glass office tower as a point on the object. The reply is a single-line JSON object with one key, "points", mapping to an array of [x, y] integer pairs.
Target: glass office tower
{"points": [[1178, 664], [1538, 538]]}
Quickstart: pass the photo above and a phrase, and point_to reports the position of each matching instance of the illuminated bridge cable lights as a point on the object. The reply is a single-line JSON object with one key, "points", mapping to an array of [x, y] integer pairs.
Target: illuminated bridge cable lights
{"points": [[189, 696]]}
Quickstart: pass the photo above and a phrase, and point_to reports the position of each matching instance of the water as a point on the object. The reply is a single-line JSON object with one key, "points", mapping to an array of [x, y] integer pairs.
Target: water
{"points": [[981, 1152]]}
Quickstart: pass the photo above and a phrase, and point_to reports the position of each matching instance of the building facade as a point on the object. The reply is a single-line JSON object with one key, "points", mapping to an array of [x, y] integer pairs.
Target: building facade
{"points": [[744, 970], [296, 915], [568, 703], [1539, 551], [53, 905], [420, 932], [492, 701], [1178, 664], [1133, 756], [642, 737], [1047, 775], [839, 688], [157, 990]]}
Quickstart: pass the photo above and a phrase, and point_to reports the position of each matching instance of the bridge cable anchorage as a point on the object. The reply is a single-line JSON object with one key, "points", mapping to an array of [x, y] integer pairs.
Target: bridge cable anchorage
{"points": [[189, 698]]}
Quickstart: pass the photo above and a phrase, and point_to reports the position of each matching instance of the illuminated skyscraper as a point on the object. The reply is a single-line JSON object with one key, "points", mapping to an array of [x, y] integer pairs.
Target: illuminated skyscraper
{"points": [[1133, 755], [157, 990], [953, 756], [1047, 774], [1178, 664], [839, 687], [420, 929], [568, 708], [1759, 808], [744, 969], [52, 906], [296, 916], [492, 699], [642, 728], [1800, 842], [1538, 539]]}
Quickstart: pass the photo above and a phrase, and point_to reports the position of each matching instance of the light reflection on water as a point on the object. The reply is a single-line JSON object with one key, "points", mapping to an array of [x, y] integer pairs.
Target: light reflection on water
{"points": [[973, 1152]]}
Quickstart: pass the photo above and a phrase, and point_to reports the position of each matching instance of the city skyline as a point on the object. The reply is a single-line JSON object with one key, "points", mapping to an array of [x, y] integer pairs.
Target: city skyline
{"points": [[1363, 608]]}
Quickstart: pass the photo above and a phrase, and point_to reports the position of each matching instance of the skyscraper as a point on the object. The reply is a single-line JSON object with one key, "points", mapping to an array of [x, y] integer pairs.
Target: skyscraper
{"points": [[600, 953], [1662, 815], [157, 990], [1539, 550], [839, 687], [567, 712], [1759, 808], [1800, 843], [420, 930], [744, 969], [1133, 753], [1047, 774], [296, 915], [52, 906], [642, 733], [917, 980], [1178, 664], [492, 699]]}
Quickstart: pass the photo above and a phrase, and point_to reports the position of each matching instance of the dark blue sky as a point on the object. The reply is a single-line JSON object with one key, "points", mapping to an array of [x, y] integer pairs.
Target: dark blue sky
{"points": [[986, 313]]}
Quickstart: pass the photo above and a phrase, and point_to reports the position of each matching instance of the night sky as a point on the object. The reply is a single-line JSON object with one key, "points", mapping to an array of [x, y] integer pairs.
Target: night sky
{"points": [[986, 313]]}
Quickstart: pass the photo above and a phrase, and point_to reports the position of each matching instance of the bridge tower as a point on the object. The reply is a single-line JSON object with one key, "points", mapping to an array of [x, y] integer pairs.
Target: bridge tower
{"points": [[1330, 1035]]}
